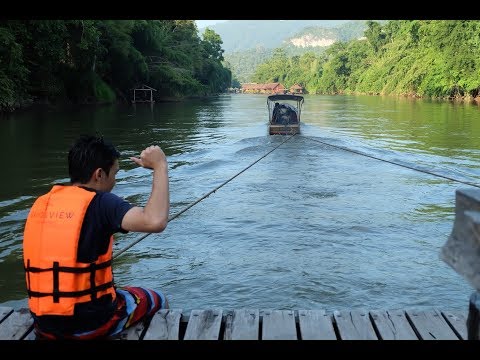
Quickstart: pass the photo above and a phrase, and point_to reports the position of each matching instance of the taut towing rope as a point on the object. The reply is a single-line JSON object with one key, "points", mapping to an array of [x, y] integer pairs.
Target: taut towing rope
{"points": [[394, 163], [170, 218]]}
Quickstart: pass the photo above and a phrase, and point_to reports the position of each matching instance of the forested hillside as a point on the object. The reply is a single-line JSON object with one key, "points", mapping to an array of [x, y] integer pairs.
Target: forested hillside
{"points": [[95, 61], [313, 39], [421, 58], [244, 63]]}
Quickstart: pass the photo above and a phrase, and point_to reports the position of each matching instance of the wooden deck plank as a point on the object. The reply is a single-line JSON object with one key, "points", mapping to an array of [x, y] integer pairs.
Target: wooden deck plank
{"points": [[4, 312], [132, 333], [242, 324], [165, 325], [30, 336], [204, 325], [17, 325], [393, 325], [458, 321], [354, 325], [316, 325], [431, 325], [279, 325]]}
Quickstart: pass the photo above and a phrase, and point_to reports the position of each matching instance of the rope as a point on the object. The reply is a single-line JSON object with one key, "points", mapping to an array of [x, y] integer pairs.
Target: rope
{"points": [[394, 163], [203, 197]]}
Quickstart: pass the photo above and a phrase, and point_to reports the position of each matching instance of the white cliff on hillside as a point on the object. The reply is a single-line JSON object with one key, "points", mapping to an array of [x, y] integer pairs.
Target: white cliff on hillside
{"points": [[309, 40]]}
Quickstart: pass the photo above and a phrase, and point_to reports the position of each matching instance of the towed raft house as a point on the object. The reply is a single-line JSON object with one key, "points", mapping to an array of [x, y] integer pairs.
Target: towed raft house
{"points": [[284, 114]]}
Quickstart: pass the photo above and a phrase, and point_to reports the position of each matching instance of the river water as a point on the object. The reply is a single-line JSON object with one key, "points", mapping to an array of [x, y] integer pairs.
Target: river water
{"points": [[345, 215]]}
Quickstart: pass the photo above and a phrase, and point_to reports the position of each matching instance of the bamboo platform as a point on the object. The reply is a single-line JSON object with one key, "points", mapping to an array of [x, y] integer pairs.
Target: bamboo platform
{"points": [[244, 324]]}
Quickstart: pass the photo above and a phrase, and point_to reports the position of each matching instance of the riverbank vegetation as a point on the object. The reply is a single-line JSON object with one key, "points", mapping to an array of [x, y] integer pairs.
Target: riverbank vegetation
{"points": [[417, 58], [102, 61]]}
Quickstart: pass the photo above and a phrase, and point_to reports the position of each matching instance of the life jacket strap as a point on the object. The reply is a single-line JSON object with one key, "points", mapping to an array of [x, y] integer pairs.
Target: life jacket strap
{"points": [[69, 269], [57, 269], [78, 293]]}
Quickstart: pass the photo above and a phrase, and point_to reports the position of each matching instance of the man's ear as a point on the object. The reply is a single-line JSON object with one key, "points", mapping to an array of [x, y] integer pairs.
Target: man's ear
{"points": [[97, 174]]}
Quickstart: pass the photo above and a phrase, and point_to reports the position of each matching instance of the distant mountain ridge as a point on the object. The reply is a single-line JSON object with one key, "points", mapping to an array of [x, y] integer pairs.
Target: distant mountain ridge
{"points": [[239, 35], [248, 43]]}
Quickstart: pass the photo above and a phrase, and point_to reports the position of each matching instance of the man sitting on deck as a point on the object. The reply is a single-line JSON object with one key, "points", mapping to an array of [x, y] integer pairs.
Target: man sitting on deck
{"points": [[68, 239]]}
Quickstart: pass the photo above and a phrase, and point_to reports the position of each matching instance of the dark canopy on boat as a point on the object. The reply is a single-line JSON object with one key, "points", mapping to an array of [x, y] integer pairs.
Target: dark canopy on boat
{"points": [[283, 97]]}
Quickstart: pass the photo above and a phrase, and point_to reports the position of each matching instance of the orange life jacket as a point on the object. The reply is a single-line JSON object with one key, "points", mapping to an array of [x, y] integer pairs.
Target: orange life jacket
{"points": [[55, 280]]}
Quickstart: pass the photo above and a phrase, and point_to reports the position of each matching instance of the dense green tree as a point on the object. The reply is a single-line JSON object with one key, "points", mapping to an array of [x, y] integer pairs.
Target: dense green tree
{"points": [[13, 70], [212, 44], [375, 35]]}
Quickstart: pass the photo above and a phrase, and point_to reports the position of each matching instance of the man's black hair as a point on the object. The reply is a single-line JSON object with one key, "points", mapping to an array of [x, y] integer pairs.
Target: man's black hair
{"points": [[87, 154]]}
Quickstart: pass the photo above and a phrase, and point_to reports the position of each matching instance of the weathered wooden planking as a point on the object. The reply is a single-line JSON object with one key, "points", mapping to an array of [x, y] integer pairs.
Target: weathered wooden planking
{"points": [[17, 325], [4, 312], [245, 324], [165, 325], [204, 325], [279, 325], [393, 325], [242, 324], [354, 325], [458, 321], [132, 333], [431, 325], [30, 336], [315, 325]]}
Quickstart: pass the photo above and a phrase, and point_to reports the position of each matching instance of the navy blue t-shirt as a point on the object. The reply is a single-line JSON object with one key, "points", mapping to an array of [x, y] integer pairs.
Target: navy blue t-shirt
{"points": [[103, 218]]}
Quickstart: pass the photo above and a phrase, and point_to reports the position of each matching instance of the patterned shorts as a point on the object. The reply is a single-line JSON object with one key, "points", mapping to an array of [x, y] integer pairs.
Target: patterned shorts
{"points": [[133, 304]]}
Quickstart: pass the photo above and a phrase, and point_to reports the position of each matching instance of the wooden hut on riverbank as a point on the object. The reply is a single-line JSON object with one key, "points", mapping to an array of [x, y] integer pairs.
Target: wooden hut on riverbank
{"points": [[143, 94], [269, 88]]}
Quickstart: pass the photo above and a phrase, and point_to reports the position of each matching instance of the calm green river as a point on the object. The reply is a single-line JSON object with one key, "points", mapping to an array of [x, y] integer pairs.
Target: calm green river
{"points": [[321, 222]]}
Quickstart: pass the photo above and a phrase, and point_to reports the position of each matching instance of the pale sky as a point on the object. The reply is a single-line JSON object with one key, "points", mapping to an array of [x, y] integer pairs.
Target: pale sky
{"points": [[205, 23]]}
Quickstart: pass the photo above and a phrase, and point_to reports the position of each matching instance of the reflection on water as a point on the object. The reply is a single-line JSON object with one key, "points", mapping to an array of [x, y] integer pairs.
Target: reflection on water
{"points": [[308, 226]]}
